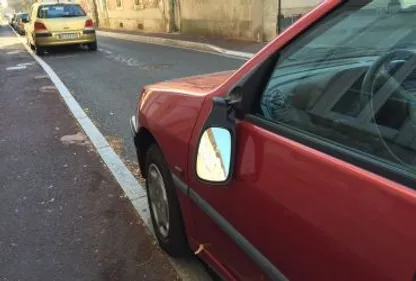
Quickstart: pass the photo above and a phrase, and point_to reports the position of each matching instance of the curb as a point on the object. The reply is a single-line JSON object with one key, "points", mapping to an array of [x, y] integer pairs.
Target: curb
{"points": [[134, 191], [198, 46]]}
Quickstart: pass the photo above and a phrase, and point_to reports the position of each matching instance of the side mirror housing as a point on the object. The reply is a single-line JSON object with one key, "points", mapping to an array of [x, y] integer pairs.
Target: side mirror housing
{"points": [[214, 160]]}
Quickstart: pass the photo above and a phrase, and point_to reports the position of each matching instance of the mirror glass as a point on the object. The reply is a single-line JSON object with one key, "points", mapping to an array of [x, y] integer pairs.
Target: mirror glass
{"points": [[214, 155]]}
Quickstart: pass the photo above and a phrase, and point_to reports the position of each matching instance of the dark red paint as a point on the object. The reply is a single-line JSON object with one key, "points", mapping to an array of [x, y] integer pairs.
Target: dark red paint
{"points": [[313, 216]]}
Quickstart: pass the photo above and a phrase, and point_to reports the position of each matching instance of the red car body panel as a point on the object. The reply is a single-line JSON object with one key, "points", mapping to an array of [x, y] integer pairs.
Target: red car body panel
{"points": [[270, 179], [295, 183], [169, 111]]}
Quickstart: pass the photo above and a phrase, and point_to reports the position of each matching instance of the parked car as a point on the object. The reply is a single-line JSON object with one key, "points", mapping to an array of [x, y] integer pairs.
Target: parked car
{"points": [[20, 21], [59, 23], [12, 20], [300, 165]]}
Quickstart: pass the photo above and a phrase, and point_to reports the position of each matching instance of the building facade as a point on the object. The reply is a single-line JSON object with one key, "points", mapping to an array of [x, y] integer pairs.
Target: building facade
{"points": [[238, 19]]}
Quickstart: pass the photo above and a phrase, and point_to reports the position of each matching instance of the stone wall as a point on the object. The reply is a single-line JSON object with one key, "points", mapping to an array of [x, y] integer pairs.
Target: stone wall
{"points": [[242, 19], [230, 19], [238, 19], [141, 15]]}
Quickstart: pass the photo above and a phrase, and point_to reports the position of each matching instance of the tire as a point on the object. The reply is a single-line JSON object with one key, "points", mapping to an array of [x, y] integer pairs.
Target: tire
{"points": [[173, 241], [92, 46], [39, 51]]}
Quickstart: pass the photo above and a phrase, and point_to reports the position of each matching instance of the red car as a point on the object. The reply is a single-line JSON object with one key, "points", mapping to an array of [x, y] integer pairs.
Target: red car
{"points": [[300, 165]]}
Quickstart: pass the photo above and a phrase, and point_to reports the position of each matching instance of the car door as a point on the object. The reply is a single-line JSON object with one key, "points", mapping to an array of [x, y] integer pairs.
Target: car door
{"points": [[324, 167]]}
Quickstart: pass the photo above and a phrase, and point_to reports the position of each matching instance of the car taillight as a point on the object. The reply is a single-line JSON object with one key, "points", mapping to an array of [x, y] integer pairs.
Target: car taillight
{"points": [[89, 24], [40, 26]]}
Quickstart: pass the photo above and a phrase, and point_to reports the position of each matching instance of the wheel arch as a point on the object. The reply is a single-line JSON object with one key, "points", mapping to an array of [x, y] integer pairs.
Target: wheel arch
{"points": [[144, 139]]}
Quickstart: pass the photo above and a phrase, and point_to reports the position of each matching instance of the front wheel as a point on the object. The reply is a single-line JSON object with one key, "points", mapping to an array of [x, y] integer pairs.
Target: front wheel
{"points": [[92, 46], [164, 206]]}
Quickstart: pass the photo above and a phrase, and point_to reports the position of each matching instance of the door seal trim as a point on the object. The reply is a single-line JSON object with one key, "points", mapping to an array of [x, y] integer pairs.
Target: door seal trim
{"points": [[261, 261]]}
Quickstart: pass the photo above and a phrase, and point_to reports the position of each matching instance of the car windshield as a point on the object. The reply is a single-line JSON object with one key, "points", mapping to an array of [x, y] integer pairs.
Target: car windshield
{"points": [[60, 11], [360, 29], [24, 16], [355, 68]]}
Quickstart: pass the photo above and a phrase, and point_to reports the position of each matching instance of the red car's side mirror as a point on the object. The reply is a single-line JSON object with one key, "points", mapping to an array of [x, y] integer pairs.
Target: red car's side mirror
{"points": [[214, 159]]}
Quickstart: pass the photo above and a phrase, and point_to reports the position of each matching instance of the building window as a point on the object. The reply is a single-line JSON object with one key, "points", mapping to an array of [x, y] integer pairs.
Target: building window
{"points": [[119, 3], [138, 3]]}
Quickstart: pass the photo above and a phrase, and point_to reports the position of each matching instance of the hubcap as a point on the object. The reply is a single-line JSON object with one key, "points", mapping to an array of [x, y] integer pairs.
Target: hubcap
{"points": [[158, 199]]}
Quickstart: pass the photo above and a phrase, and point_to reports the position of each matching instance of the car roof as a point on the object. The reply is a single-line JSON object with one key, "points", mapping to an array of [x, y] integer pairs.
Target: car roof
{"points": [[56, 2]]}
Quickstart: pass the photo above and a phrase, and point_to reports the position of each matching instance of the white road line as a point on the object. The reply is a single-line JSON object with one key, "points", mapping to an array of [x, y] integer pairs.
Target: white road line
{"points": [[12, 52], [105, 51], [26, 63], [187, 270], [19, 67]]}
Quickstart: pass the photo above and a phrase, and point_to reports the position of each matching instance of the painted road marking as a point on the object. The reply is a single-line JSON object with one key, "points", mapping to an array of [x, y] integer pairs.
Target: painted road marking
{"points": [[13, 52], [187, 270], [105, 51], [18, 67], [26, 63]]}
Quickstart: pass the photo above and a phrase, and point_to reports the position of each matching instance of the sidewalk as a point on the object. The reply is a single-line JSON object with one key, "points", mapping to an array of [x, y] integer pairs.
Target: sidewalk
{"points": [[62, 216], [195, 42]]}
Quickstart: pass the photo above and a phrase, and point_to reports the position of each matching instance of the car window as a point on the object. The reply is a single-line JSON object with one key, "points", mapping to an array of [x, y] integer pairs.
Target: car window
{"points": [[351, 81], [60, 11]]}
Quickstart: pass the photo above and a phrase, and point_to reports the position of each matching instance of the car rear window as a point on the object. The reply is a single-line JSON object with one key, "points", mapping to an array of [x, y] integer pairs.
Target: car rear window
{"points": [[60, 11]]}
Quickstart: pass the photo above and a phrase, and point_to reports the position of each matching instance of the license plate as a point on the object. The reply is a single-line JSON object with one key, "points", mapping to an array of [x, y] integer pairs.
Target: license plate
{"points": [[66, 36]]}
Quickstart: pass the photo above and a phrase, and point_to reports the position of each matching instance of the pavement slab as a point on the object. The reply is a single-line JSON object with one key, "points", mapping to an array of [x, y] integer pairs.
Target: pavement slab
{"points": [[63, 215]]}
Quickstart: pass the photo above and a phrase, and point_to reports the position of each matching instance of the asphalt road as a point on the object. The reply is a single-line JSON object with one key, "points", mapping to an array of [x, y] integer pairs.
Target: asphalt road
{"points": [[107, 83]]}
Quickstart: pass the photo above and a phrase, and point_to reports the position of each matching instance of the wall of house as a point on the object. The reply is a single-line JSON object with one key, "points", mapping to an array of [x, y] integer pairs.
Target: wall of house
{"points": [[230, 19], [240, 19], [290, 7], [209, 164], [269, 19], [141, 15], [243, 19]]}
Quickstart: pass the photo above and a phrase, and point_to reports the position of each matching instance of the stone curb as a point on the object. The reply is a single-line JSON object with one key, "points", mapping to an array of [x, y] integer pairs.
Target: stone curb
{"points": [[175, 43]]}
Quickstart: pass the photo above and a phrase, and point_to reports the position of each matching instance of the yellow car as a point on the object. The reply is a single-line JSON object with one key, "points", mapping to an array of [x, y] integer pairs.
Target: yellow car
{"points": [[57, 23]]}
